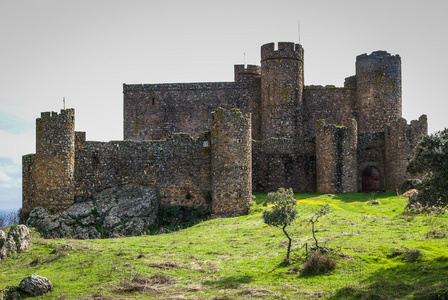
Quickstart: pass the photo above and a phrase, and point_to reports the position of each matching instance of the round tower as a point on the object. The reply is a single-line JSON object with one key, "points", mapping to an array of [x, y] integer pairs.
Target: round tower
{"points": [[231, 160], [281, 90], [378, 77], [54, 162]]}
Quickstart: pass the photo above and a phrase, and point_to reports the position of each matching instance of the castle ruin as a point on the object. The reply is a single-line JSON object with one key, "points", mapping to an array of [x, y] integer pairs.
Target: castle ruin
{"points": [[263, 131]]}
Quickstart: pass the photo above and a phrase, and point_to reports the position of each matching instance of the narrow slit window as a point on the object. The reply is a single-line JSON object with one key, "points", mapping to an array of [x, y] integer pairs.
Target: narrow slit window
{"points": [[153, 101], [191, 113]]}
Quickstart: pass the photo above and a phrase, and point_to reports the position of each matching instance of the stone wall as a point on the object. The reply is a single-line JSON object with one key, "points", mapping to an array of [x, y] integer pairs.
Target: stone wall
{"points": [[283, 162], [332, 104], [154, 111], [336, 162], [178, 168], [371, 154]]}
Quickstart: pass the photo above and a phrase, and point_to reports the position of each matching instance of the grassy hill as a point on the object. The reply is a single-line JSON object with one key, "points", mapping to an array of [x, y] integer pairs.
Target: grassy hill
{"points": [[379, 252]]}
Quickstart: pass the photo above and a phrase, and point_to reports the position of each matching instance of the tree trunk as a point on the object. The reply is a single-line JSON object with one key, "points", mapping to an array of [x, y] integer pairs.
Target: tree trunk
{"points": [[289, 245]]}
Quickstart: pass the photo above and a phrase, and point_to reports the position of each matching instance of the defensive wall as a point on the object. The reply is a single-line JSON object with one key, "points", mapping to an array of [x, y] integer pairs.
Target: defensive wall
{"points": [[202, 173]]}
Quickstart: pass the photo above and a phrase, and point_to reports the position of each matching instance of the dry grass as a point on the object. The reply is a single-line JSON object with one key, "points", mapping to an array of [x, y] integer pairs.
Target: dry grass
{"points": [[155, 284], [164, 265], [318, 263]]}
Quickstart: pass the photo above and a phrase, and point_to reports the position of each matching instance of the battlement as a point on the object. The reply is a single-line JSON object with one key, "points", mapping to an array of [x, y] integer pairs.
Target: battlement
{"points": [[69, 112], [285, 50], [380, 54], [247, 73]]}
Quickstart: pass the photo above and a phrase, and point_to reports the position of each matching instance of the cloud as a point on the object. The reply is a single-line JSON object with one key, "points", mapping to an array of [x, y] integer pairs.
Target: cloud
{"points": [[10, 184], [14, 124]]}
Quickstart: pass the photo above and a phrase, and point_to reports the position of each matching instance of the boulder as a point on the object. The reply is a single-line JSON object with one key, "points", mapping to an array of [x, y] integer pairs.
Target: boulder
{"points": [[18, 239], [36, 285], [128, 210], [10, 293]]}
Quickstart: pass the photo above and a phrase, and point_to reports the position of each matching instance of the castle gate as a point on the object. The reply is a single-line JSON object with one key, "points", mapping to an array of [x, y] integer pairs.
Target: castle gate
{"points": [[371, 180]]}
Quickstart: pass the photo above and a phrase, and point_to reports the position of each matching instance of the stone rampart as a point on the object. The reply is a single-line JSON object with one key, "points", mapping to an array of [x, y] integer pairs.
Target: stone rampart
{"points": [[178, 168]]}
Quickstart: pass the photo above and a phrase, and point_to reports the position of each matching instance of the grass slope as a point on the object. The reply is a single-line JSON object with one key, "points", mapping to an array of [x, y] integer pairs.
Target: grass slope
{"points": [[381, 254]]}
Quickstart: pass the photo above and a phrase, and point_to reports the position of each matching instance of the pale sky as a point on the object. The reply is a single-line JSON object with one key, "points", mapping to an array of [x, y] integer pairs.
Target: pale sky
{"points": [[84, 50]]}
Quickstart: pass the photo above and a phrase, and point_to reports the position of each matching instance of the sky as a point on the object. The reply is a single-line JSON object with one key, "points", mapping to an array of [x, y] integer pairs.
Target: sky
{"points": [[84, 50]]}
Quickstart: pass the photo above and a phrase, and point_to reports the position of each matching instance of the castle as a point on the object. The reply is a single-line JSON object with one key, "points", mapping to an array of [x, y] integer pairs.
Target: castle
{"points": [[263, 131]]}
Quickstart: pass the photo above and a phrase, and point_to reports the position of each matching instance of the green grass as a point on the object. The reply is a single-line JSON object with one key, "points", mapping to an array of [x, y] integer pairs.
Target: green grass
{"points": [[380, 254]]}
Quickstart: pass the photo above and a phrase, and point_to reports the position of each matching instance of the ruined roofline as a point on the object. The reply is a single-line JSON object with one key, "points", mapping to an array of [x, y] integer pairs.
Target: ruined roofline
{"points": [[379, 54], [188, 86]]}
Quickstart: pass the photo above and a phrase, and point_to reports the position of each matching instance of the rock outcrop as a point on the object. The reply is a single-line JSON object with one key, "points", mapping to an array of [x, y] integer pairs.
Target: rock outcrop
{"points": [[36, 285], [18, 239], [120, 211]]}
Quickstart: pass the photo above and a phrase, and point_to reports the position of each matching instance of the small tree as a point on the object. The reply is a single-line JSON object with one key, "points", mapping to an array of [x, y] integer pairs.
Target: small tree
{"points": [[283, 213], [317, 213], [431, 159]]}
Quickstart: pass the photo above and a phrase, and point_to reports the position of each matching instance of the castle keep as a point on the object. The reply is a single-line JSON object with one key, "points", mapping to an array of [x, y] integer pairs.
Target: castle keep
{"points": [[263, 131]]}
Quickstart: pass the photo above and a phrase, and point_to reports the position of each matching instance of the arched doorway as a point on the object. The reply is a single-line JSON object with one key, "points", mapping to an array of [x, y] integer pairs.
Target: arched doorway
{"points": [[371, 180]]}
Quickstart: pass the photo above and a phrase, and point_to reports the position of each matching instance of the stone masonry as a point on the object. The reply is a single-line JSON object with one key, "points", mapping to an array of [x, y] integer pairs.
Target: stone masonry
{"points": [[262, 131]]}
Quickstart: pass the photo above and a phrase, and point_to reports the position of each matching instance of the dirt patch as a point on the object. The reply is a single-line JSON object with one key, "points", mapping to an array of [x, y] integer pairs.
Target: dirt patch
{"points": [[145, 285]]}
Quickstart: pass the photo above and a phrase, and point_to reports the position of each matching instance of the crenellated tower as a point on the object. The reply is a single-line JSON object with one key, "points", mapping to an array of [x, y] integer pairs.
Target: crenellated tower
{"points": [[378, 79], [49, 175], [281, 90], [231, 161]]}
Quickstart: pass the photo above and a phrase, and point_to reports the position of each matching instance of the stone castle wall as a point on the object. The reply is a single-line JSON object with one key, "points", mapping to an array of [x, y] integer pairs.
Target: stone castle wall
{"points": [[154, 111], [180, 168], [332, 104], [336, 161], [280, 162]]}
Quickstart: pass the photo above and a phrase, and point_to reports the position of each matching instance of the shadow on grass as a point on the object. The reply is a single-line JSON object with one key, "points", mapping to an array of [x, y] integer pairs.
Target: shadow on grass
{"points": [[232, 282], [417, 280]]}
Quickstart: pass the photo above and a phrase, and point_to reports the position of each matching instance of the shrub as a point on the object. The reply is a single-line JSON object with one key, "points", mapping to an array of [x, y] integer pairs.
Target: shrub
{"points": [[318, 263]]}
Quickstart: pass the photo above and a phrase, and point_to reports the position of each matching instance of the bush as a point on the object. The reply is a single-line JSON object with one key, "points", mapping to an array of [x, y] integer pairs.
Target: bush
{"points": [[318, 263]]}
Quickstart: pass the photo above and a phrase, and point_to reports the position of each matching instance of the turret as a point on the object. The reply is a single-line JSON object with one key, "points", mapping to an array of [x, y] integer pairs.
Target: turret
{"points": [[378, 80], [250, 72], [231, 160], [281, 90], [50, 176]]}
